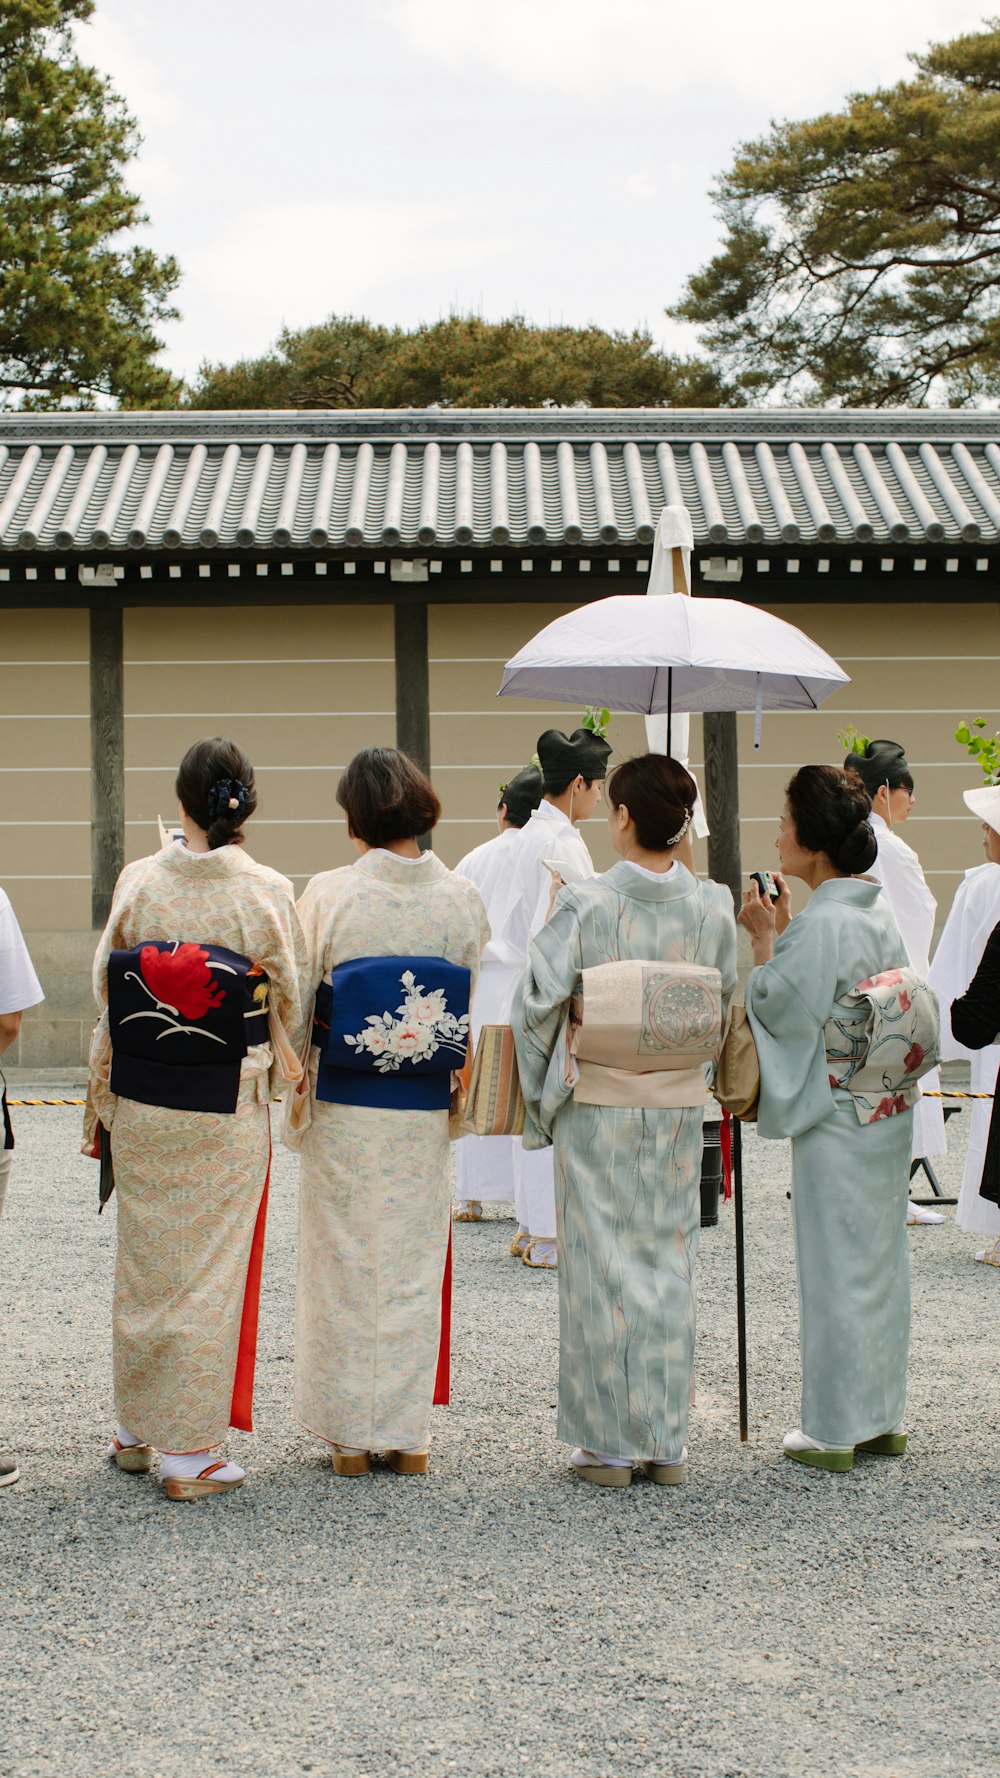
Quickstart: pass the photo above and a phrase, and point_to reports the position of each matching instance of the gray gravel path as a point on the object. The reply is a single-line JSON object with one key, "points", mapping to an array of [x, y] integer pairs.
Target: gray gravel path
{"points": [[498, 1616]]}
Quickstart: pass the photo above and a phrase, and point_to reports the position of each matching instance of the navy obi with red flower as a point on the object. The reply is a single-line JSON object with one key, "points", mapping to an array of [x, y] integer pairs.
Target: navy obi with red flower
{"points": [[182, 1017], [390, 1031]]}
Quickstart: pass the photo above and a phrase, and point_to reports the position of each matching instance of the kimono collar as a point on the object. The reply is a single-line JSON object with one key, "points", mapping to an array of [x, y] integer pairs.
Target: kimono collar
{"points": [[857, 891], [549, 812], [405, 873], [223, 862], [675, 886]]}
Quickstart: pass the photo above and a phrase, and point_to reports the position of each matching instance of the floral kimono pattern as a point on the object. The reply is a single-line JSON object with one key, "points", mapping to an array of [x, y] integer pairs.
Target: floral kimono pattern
{"points": [[375, 1199], [191, 1185]]}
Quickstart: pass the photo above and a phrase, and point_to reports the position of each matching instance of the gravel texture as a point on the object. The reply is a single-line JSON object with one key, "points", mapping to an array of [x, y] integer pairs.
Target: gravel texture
{"points": [[497, 1616]]}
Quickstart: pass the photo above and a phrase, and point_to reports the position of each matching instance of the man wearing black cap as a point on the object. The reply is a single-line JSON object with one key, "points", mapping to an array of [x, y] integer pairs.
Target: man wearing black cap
{"points": [[484, 1165], [885, 773], [547, 849]]}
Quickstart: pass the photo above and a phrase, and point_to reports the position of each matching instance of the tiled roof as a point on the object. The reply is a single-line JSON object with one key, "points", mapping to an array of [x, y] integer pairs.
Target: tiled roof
{"points": [[413, 481]]}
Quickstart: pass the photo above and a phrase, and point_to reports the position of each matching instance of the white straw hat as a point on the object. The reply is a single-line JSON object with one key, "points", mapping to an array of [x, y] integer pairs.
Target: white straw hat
{"points": [[985, 802]]}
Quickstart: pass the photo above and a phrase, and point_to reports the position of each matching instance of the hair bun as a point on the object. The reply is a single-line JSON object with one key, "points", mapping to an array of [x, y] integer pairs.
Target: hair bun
{"points": [[857, 850]]}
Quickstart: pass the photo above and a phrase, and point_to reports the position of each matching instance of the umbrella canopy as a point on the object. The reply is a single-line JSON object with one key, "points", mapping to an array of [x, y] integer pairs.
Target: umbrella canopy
{"points": [[673, 654]]}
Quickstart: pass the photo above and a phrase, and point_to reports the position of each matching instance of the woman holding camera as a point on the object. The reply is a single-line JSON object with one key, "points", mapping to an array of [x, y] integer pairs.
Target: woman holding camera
{"points": [[850, 1136]]}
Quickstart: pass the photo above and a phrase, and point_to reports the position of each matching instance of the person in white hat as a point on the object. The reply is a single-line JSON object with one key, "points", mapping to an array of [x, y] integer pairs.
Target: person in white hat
{"points": [[975, 912]]}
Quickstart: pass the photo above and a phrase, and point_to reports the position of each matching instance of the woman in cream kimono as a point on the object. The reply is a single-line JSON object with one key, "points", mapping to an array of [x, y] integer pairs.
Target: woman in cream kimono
{"points": [[627, 1145], [849, 1177], [192, 1183], [375, 1199]]}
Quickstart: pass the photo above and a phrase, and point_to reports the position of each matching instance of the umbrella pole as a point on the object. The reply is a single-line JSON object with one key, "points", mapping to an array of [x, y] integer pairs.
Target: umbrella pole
{"points": [[741, 1295], [670, 704]]}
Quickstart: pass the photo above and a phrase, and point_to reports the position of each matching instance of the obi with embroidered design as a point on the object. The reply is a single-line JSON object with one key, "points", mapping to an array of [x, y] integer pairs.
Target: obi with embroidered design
{"points": [[642, 1032], [182, 1016], [391, 1031], [886, 1037]]}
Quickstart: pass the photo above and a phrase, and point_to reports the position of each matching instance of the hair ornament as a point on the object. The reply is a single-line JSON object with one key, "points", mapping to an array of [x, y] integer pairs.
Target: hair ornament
{"points": [[228, 796], [682, 830]]}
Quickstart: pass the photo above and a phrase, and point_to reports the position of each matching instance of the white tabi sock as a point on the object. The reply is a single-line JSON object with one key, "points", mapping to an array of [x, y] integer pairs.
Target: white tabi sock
{"points": [[585, 1459], [544, 1246], [126, 1438], [191, 1463]]}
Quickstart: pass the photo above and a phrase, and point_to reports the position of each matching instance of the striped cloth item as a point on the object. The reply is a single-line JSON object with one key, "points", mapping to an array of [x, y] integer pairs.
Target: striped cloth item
{"points": [[495, 1105]]}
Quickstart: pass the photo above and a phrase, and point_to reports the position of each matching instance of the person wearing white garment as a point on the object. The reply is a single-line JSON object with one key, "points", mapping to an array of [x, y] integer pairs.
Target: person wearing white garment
{"points": [[548, 850], [885, 773], [974, 913], [484, 1165], [19, 989]]}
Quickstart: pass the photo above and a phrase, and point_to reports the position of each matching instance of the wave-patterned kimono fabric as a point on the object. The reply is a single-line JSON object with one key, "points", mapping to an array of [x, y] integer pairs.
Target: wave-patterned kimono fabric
{"points": [[881, 1059], [391, 1031], [181, 1017]]}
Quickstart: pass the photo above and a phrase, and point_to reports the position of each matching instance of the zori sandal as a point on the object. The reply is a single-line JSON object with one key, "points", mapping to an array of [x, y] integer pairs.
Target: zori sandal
{"points": [[197, 1487], [668, 1475], [133, 1459], [888, 1444], [589, 1467]]}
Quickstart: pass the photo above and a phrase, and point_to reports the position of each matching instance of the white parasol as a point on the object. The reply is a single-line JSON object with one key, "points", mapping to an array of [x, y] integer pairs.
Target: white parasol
{"points": [[672, 655]]}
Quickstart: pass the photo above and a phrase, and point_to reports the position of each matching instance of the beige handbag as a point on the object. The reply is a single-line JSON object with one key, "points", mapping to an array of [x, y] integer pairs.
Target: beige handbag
{"points": [[737, 1075], [495, 1105]]}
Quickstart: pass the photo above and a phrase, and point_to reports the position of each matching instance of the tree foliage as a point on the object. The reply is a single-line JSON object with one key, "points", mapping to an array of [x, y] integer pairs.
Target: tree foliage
{"points": [[78, 310], [861, 260], [460, 362]]}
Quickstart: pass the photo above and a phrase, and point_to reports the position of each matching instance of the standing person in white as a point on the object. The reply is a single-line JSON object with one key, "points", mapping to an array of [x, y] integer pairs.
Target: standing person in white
{"points": [[885, 773], [484, 1165], [974, 913], [19, 989], [573, 769]]}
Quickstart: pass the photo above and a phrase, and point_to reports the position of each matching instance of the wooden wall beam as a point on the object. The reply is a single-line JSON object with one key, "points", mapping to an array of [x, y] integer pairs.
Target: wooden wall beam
{"points": [[722, 802], [107, 759]]}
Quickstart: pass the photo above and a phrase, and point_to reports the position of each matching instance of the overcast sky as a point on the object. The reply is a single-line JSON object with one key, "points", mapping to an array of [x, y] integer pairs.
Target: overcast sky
{"points": [[401, 159]]}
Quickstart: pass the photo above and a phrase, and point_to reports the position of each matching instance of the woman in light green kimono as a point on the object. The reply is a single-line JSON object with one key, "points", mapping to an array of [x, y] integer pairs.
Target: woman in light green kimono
{"points": [[626, 1173], [849, 1178]]}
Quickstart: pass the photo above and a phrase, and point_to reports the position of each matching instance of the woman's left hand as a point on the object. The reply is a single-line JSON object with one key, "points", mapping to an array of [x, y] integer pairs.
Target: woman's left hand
{"points": [[757, 914]]}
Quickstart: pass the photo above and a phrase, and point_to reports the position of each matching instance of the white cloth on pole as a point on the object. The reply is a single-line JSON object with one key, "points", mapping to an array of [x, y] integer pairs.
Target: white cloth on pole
{"points": [[974, 913], [673, 531], [913, 907]]}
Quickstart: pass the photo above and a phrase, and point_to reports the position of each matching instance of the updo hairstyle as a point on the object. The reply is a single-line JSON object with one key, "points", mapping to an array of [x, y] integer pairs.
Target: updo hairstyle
{"points": [[386, 797], [830, 809], [215, 787], [659, 796]]}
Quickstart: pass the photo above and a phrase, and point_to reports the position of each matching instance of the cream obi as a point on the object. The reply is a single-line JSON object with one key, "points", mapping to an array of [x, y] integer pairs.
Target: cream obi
{"points": [[642, 1033]]}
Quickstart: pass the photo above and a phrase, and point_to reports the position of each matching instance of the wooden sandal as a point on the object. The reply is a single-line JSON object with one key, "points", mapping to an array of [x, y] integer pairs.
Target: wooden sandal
{"points": [[196, 1487], [133, 1459], [407, 1462], [350, 1462]]}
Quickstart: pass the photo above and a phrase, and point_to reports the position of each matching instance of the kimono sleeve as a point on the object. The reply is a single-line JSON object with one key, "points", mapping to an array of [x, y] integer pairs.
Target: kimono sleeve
{"points": [[788, 1002], [539, 1019], [975, 1015]]}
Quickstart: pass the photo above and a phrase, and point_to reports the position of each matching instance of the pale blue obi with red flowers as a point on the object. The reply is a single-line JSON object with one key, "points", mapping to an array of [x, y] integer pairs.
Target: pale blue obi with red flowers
{"points": [[391, 1031], [886, 1038], [181, 1018]]}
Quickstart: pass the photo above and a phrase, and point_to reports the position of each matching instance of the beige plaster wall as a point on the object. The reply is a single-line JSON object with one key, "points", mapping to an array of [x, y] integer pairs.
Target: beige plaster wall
{"points": [[302, 688]]}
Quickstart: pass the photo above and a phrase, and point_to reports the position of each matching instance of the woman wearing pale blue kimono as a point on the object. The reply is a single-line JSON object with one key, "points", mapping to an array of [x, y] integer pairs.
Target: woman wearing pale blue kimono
{"points": [[627, 1174], [849, 1178]]}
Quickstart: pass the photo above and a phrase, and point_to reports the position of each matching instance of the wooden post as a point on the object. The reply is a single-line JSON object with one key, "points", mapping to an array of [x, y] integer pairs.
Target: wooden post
{"points": [[413, 702], [107, 758], [722, 801]]}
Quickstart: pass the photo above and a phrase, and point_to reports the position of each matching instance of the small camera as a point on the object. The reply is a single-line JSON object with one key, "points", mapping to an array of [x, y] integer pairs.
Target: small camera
{"points": [[766, 884]]}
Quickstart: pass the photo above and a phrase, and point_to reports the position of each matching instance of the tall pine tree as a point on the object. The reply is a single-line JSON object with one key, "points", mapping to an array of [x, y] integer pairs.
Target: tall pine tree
{"points": [[78, 305]]}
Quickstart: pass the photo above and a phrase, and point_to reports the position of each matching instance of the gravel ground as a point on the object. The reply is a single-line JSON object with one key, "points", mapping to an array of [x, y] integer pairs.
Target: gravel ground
{"points": [[497, 1616]]}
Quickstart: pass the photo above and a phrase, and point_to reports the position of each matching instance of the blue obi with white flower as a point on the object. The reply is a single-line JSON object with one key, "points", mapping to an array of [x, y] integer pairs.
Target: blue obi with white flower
{"points": [[391, 1031]]}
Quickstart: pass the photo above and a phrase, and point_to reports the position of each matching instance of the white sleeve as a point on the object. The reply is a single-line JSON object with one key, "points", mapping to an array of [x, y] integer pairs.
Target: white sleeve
{"points": [[19, 985]]}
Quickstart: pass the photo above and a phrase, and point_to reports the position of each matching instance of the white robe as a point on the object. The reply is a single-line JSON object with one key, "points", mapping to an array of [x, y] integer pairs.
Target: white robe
{"points": [[484, 1165], [521, 911], [913, 907], [974, 913]]}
